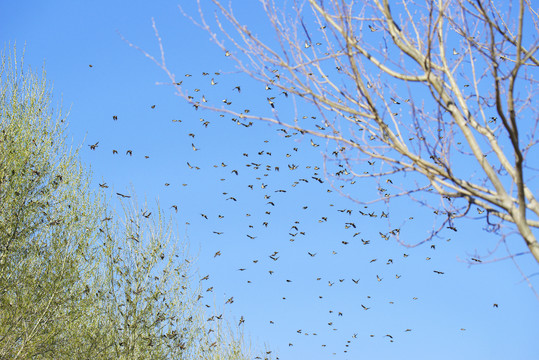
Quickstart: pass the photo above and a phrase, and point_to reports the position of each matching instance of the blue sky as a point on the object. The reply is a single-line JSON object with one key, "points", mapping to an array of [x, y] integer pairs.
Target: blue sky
{"points": [[68, 36]]}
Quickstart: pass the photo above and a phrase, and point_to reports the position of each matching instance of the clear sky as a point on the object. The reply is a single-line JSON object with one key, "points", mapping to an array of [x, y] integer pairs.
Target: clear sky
{"points": [[450, 315]]}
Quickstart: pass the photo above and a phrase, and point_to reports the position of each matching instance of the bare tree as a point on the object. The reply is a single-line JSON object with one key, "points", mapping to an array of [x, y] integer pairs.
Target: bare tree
{"points": [[432, 88]]}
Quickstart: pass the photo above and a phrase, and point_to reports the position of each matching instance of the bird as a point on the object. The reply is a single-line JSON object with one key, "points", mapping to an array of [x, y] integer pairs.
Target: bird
{"points": [[122, 195], [94, 146], [114, 117]]}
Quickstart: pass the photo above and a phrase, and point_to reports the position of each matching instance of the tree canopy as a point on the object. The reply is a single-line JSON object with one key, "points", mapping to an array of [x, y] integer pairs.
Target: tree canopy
{"points": [[79, 279]]}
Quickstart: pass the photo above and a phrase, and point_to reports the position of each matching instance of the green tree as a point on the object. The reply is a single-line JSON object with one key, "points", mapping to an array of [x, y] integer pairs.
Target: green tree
{"points": [[78, 280], [47, 222]]}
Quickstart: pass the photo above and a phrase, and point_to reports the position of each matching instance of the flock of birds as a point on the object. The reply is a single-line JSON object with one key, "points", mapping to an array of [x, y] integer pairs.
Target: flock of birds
{"points": [[264, 168]]}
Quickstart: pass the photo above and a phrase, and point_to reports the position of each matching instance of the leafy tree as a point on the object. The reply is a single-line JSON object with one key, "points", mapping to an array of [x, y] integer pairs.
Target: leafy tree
{"points": [[78, 280], [48, 219], [426, 90]]}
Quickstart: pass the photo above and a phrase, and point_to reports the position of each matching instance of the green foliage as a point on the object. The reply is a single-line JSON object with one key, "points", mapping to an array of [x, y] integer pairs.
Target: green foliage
{"points": [[47, 220], [78, 280]]}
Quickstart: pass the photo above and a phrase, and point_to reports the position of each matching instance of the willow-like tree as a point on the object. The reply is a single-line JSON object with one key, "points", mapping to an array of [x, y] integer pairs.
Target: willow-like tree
{"points": [[78, 280], [442, 92]]}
